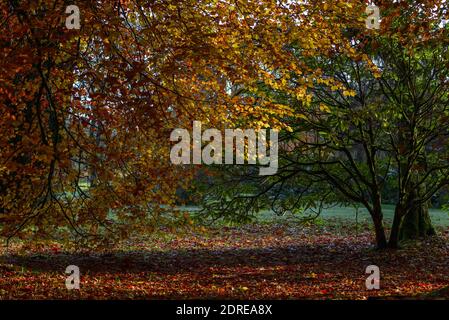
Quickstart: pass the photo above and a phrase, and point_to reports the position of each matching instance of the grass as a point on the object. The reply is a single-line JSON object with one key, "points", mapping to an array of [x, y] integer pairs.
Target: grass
{"points": [[439, 217]]}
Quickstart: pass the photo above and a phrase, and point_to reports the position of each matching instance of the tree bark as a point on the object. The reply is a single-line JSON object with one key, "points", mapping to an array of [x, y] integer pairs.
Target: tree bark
{"points": [[416, 223], [399, 213], [381, 239], [411, 220]]}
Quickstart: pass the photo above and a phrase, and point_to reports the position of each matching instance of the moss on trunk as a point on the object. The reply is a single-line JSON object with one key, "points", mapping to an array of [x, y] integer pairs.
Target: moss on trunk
{"points": [[416, 224]]}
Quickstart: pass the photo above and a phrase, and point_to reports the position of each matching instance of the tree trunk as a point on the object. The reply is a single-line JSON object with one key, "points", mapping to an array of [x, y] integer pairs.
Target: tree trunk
{"points": [[393, 242], [381, 239], [411, 220], [377, 215], [416, 223]]}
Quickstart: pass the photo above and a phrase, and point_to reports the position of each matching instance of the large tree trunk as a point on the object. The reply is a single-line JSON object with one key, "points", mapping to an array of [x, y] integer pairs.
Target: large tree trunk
{"points": [[411, 220], [416, 223]]}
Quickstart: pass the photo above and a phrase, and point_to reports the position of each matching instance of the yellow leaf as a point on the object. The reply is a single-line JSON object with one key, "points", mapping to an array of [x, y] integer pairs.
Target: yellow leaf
{"points": [[324, 108]]}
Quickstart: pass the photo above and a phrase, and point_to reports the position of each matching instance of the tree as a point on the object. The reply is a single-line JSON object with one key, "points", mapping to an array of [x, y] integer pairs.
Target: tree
{"points": [[87, 114], [374, 117], [415, 81]]}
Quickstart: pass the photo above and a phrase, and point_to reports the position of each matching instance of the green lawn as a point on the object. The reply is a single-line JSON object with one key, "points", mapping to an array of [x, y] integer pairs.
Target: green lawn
{"points": [[439, 217]]}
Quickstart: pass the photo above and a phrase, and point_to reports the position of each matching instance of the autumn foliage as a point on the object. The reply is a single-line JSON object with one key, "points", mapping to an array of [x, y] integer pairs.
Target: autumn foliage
{"points": [[85, 122], [86, 113]]}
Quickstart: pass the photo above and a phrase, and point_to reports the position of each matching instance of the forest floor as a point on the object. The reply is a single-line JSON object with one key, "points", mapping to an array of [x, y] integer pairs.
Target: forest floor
{"points": [[281, 260]]}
